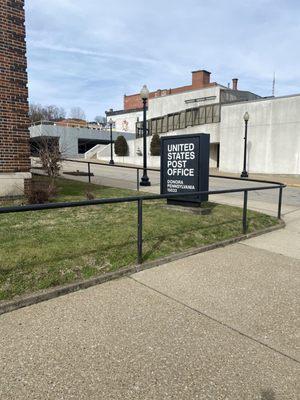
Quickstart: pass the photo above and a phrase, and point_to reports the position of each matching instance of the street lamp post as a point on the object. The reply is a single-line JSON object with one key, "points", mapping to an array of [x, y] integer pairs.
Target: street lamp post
{"points": [[144, 96], [244, 173], [111, 162]]}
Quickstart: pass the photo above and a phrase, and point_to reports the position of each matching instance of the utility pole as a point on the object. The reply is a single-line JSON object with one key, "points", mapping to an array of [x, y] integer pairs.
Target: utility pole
{"points": [[273, 85]]}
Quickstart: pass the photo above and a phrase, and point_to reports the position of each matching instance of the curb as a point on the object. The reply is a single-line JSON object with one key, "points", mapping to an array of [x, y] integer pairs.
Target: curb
{"points": [[282, 180], [48, 294], [296, 185]]}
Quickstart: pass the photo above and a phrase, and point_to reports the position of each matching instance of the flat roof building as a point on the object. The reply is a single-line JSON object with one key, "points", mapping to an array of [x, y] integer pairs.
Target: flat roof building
{"points": [[209, 107], [74, 140]]}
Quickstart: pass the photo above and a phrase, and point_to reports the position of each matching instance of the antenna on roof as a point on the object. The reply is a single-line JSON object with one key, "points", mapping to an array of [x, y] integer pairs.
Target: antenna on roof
{"points": [[273, 85]]}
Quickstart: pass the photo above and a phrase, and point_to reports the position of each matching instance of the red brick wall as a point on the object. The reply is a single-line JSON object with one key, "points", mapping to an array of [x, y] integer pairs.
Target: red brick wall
{"points": [[200, 80], [14, 122]]}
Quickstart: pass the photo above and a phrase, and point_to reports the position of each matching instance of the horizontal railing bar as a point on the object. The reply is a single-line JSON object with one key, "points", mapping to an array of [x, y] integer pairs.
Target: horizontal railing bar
{"points": [[236, 178], [110, 165], [158, 170], [49, 206]]}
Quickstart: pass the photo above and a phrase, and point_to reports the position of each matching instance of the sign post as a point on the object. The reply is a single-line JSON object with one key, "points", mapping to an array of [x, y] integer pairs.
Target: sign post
{"points": [[185, 167]]}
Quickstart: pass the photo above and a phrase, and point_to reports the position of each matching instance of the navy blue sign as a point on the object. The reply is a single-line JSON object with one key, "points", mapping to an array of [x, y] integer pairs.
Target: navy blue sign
{"points": [[185, 166]]}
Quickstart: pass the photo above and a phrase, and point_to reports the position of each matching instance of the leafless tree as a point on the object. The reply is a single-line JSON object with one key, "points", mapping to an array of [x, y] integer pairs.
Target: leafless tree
{"points": [[37, 113], [47, 150], [100, 119], [77, 113]]}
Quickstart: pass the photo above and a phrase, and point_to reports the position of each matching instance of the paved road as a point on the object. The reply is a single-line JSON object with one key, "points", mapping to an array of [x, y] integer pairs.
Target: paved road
{"points": [[126, 178], [214, 326]]}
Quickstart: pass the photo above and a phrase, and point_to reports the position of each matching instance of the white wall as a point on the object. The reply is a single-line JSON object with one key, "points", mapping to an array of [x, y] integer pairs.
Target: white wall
{"points": [[12, 184], [126, 122], [212, 129], [273, 136], [160, 106], [68, 136], [134, 159]]}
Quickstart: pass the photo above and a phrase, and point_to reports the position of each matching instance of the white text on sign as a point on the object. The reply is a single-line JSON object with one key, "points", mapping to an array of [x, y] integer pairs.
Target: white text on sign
{"points": [[178, 155]]}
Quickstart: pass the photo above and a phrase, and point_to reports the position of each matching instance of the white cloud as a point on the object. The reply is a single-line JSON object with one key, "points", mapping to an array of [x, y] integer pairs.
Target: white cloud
{"points": [[93, 52]]}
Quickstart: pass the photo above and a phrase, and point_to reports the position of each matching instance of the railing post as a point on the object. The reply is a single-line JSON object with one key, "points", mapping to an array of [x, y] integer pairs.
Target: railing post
{"points": [[89, 172], [140, 232], [138, 179], [245, 212], [279, 203]]}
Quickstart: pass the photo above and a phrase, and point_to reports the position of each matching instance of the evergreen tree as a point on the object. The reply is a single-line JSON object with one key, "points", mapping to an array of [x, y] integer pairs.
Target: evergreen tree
{"points": [[121, 146], [155, 145]]}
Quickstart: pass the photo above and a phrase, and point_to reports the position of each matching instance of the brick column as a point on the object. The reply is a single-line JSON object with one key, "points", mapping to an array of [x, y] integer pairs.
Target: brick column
{"points": [[14, 121]]}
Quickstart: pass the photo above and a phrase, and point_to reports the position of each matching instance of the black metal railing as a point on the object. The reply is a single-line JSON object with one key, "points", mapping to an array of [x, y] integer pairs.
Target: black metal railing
{"points": [[89, 174], [138, 169], [148, 197]]}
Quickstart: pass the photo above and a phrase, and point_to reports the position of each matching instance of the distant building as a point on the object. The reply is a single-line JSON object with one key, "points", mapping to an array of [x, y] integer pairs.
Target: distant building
{"points": [[72, 122], [209, 107], [74, 139]]}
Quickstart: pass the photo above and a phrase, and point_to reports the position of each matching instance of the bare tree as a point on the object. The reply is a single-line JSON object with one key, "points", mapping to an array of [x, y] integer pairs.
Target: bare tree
{"points": [[77, 113], [100, 119], [37, 113], [47, 149], [55, 113]]}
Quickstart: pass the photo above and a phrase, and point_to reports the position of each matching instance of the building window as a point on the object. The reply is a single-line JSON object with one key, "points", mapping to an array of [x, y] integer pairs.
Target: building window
{"points": [[202, 115], [209, 114], [165, 124], [189, 118], [138, 129], [153, 126], [196, 116], [182, 120], [170, 123], [159, 125], [176, 122], [216, 113]]}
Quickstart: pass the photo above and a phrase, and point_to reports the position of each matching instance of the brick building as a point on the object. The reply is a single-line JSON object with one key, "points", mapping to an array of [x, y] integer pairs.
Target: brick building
{"points": [[200, 80], [14, 121]]}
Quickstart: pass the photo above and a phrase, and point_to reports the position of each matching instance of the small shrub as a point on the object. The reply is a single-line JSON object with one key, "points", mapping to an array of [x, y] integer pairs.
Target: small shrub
{"points": [[38, 196], [41, 192], [155, 145], [89, 195], [121, 146]]}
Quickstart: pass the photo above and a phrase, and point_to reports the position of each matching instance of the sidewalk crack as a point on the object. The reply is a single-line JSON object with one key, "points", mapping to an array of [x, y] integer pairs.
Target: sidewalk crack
{"points": [[235, 330]]}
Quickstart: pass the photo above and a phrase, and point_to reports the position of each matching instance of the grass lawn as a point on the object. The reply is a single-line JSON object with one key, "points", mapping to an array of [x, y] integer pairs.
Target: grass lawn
{"points": [[53, 247]]}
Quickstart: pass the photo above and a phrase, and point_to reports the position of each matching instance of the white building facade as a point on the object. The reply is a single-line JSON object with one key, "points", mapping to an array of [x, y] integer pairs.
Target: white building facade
{"points": [[74, 141], [273, 136], [273, 128]]}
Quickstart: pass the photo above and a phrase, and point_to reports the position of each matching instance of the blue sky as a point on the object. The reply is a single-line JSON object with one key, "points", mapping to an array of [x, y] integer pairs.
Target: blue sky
{"points": [[89, 53]]}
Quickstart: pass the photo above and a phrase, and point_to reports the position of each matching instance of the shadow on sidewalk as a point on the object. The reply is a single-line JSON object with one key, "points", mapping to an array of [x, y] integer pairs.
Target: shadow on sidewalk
{"points": [[267, 394]]}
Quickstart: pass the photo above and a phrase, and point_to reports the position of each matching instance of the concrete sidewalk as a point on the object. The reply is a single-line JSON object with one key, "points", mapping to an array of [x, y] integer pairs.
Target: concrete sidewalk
{"points": [[218, 325]]}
